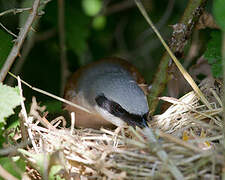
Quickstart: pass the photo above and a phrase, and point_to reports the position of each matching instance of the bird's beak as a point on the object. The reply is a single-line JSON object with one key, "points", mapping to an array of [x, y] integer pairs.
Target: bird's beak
{"points": [[142, 123]]}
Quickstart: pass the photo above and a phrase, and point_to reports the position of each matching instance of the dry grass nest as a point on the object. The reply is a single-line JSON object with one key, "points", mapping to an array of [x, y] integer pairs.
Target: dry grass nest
{"points": [[186, 141]]}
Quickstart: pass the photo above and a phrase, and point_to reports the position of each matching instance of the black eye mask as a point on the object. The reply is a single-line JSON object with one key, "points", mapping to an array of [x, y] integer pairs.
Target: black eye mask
{"points": [[116, 110]]}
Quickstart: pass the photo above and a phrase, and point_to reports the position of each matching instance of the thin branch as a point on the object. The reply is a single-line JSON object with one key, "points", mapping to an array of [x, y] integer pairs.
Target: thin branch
{"points": [[30, 42], [14, 11], [28, 45], [7, 30], [52, 95], [63, 58], [19, 41]]}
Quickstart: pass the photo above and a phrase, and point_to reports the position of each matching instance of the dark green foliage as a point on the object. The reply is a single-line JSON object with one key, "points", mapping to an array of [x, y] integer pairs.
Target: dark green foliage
{"points": [[5, 46], [219, 13], [77, 31], [90, 35], [213, 53]]}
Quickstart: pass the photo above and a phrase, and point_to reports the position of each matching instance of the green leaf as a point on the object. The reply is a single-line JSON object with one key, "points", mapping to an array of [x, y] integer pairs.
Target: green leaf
{"points": [[217, 69], [15, 166], [213, 53], [99, 22], [92, 7], [219, 12], [5, 46], [39, 162], [10, 98], [53, 172], [2, 138]]}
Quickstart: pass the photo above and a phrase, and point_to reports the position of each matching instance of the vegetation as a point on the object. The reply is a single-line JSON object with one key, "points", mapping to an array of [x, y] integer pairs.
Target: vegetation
{"points": [[44, 41]]}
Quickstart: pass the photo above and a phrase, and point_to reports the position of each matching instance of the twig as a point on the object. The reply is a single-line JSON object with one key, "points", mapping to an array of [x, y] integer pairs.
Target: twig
{"points": [[14, 11], [7, 30], [52, 95], [63, 58], [19, 41], [29, 44]]}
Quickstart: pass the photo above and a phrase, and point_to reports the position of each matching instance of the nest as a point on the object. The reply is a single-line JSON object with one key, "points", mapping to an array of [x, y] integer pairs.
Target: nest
{"points": [[183, 142]]}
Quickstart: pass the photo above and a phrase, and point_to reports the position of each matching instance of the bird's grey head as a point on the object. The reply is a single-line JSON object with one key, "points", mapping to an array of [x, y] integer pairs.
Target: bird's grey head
{"points": [[118, 95]]}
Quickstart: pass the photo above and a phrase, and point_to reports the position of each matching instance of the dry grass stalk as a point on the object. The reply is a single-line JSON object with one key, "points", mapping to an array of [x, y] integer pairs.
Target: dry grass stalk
{"points": [[127, 154]]}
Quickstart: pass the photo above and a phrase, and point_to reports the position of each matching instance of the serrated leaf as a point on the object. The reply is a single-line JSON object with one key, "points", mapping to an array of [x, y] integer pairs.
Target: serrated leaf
{"points": [[213, 53], [10, 98], [5, 46], [219, 13]]}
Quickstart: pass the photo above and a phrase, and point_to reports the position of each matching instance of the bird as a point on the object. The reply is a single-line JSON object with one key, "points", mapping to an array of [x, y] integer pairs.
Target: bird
{"points": [[110, 89]]}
